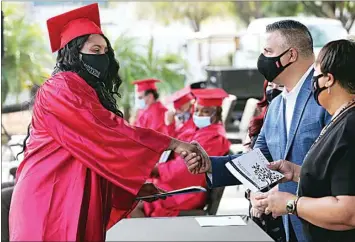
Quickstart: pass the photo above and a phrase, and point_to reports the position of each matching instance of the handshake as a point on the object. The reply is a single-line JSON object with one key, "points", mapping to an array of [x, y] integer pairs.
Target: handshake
{"points": [[195, 156]]}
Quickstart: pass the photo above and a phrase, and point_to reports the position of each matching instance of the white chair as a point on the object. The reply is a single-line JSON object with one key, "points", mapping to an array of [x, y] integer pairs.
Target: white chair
{"points": [[227, 106], [248, 113]]}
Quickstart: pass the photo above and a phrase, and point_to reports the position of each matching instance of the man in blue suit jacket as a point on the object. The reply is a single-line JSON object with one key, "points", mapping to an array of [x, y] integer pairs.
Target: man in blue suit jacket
{"points": [[294, 120]]}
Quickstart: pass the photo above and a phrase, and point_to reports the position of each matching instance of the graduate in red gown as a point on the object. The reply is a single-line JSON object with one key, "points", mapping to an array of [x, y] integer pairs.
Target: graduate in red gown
{"points": [[179, 123], [84, 165], [211, 135], [152, 112]]}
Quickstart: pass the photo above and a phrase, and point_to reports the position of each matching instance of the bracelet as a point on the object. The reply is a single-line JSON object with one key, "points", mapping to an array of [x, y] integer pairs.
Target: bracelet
{"points": [[296, 201]]}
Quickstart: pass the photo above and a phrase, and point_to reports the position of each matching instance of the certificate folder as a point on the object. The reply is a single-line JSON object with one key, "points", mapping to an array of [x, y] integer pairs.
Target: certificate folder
{"points": [[185, 190]]}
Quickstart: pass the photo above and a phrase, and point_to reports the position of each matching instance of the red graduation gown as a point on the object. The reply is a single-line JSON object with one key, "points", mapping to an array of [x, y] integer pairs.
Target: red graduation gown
{"points": [[83, 166], [184, 132], [152, 117], [175, 175]]}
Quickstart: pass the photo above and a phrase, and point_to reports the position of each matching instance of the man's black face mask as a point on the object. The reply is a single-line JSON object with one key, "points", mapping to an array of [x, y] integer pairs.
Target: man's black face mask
{"points": [[271, 67], [96, 65]]}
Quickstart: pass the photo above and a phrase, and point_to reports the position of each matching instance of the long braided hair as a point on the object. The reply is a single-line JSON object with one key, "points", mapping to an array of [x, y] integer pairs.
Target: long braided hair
{"points": [[68, 59]]}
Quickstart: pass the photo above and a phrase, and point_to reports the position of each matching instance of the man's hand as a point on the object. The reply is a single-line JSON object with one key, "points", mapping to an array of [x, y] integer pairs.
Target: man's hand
{"points": [[194, 163], [285, 167], [275, 202], [149, 189]]}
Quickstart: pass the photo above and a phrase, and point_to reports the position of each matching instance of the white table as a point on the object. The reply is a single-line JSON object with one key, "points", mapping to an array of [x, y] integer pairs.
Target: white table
{"points": [[182, 229]]}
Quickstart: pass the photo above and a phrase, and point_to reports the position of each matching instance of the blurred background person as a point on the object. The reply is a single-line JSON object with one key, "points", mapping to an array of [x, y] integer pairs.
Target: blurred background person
{"points": [[326, 182], [211, 135], [271, 90], [179, 121], [151, 112]]}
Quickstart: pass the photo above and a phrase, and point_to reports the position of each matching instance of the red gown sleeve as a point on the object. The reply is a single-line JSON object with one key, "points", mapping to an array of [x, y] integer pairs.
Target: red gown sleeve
{"points": [[102, 141]]}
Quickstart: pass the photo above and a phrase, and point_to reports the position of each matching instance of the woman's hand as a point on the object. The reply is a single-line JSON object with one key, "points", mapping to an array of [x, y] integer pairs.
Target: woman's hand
{"points": [[288, 169], [255, 211], [275, 202]]}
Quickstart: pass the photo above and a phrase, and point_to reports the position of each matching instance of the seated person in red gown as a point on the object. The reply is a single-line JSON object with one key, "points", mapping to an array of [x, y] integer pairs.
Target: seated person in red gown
{"points": [[151, 111], [172, 175], [180, 121]]}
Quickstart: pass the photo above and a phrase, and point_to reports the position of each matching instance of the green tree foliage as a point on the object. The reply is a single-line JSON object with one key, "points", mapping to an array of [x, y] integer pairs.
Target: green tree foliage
{"points": [[140, 62], [249, 10], [195, 13], [342, 10], [26, 55]]}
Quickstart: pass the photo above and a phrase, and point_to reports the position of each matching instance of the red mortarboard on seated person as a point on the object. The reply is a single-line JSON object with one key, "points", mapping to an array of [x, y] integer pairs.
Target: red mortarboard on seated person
{"points": [[210, 96], [70, 25], [146, 84], [181, 97]]}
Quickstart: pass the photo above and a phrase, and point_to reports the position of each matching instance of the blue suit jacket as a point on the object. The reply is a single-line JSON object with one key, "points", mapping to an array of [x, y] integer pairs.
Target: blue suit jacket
{"points": [[307, 122]]}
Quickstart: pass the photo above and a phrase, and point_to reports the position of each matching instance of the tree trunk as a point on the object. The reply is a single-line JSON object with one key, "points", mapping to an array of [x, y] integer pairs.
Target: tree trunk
{"points": [[127, 113]]}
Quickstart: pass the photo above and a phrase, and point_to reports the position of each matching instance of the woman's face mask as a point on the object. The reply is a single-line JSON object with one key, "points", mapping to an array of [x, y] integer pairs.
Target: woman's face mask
{"points": [[202, 121], [203, 116], [140, 103], [317, 89], [96, 65], [184, 116]]}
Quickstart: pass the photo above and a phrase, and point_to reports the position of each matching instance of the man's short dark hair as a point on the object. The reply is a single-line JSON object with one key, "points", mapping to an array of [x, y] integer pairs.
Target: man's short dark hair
{"points": [[152, 91], [338, 58], [296, 35]]}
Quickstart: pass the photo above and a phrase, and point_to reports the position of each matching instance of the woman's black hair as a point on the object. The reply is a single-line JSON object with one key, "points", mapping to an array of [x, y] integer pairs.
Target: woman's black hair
{"points": [[68, 59], [338, 58]]}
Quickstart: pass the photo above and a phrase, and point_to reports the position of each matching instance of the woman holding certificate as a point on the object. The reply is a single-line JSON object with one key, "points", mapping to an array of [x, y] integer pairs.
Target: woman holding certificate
{"points": [[326, 181]]}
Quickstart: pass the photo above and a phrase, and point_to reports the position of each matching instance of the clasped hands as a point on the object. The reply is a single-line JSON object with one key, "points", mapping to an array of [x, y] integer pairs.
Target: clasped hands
{"points": [[195, 157]]}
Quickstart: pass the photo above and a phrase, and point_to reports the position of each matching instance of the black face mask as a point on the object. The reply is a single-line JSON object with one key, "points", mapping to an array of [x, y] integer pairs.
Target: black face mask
{"points": [[317, 89], [271, 94], [96, 65], [271, 67]]}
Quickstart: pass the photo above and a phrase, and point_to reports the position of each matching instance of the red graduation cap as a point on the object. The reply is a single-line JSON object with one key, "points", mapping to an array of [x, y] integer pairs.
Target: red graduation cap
{"points": [[210, 96], [146, 84], [181, 97], [78, 22]]}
